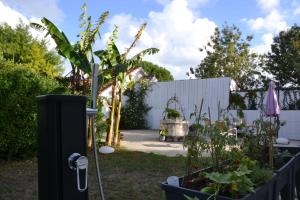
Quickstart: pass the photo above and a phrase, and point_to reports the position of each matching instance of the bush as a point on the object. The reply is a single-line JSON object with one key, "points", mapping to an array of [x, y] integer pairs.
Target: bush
{"points": [[134, 112], [19, 87]]}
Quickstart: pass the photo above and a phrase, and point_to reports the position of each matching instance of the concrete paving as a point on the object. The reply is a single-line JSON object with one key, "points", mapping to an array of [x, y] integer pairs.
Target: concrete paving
{"points": [[148, 141]]}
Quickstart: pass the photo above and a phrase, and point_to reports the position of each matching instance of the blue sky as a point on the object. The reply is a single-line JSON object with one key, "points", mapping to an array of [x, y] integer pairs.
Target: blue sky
{"points": [[177, 27]]}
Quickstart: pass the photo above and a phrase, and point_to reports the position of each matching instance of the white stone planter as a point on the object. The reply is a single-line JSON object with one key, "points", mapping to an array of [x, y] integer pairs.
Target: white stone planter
{"points": [[176, 127]]}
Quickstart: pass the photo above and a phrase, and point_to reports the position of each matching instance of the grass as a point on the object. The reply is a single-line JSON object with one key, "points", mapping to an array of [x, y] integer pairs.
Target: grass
{"points": [[125, 175]]}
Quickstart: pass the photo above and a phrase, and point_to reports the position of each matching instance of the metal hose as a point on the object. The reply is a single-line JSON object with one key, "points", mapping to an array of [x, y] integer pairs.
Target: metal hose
{"points": [[94, 106]]}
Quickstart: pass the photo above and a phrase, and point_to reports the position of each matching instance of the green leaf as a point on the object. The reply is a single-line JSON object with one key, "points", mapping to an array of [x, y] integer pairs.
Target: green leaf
{"points": [[209, 190], [64, 47], [219, 177]]}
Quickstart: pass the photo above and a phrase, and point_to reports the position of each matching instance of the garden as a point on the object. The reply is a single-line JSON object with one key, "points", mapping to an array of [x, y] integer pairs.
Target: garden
{"points": [[224, 160]]}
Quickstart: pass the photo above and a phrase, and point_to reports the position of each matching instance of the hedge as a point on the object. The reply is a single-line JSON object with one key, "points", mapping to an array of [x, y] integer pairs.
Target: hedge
{"points": [[19, 87]]}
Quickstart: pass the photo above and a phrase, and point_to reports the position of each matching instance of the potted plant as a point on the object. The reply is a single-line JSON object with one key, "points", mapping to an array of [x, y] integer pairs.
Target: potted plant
{"points": [[174, 121], [162, 134]]}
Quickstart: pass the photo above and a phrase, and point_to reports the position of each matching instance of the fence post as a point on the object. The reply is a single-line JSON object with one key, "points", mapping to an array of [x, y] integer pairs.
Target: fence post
{"points": [[62, 162]]}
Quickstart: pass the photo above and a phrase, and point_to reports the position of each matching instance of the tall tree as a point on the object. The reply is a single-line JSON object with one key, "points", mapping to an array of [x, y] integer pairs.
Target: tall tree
{"points": [[284, 59], [117, 65], [161, 73], [19, 47], [228, 55]]}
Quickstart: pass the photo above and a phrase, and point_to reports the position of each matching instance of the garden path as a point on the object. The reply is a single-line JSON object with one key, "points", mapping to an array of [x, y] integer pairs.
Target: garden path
{"points": [[148, 141]]}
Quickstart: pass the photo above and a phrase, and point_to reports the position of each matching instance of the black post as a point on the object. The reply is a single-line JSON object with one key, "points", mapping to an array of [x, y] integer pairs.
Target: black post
{"points": [[62, 132]]}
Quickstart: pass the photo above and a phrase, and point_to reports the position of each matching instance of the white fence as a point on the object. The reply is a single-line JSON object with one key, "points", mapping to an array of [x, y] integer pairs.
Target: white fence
{"points": [[189, 92], [290, 130]]}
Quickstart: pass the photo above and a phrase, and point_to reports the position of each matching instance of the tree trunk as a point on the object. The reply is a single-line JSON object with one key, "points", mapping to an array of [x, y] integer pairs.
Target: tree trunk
{"points": [[117, 124], [109, 135]]}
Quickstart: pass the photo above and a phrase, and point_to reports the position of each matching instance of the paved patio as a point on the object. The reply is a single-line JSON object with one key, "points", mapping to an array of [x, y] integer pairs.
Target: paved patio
{"points": [[148, 141]]}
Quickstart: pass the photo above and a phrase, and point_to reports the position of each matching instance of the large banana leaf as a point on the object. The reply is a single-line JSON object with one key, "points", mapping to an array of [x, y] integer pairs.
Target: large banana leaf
{"points": [[64, 47], [135, 60]]}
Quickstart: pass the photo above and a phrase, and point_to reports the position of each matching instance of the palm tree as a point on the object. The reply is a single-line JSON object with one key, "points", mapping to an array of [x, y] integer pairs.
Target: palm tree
{"points": [[80, 55], [118, 65]]}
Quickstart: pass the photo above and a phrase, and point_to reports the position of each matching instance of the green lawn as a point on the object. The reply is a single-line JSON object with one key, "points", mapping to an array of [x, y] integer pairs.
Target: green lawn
{"points": [[125, 175]]}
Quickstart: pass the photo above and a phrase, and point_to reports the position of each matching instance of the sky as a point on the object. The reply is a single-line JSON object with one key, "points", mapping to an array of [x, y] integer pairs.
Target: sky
{"points": [[177, 27]]}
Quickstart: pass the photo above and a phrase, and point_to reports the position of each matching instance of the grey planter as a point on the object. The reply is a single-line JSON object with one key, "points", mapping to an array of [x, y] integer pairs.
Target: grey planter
{"points": [[176, 127]]}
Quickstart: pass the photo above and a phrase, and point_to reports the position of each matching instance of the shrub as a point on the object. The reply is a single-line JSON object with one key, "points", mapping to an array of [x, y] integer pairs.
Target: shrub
{"points": [[134, 112], [19, 87]]}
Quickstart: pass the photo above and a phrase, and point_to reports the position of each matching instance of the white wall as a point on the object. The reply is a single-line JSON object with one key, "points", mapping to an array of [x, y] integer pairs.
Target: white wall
{"points": [[290, 130], [189, 92]]}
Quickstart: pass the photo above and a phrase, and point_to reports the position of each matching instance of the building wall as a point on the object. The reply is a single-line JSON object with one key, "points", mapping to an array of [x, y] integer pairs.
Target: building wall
{"points": [[189, 92]]}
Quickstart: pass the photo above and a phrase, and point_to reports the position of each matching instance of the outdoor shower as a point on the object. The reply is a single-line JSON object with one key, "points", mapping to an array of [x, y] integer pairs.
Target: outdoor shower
{"points": [[62, 144]]}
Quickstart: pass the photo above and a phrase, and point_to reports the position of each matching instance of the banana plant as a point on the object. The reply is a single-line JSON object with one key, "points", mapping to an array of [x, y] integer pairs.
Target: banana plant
{"points": [[118, 65], [80, 54]]}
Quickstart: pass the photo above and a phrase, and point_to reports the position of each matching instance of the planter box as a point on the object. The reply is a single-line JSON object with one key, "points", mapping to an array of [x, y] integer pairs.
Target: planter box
{"points": [[296, 169], [176, 127], [263, 192], [284, 181], [297, 175]]}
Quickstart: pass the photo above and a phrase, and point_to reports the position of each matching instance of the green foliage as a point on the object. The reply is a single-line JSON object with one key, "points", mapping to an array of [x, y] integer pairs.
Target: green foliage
{"points": [[219, 140], [258, 176], [237, 102], [19, 47], [160, 73], [172, 113], [260, 146], [101, 124], [261, 175], [189, 198], [19, 87], [135, 109], [228, 55], [212, 138], [196, 144], [235, 182], [283, 62], [163, 132]]}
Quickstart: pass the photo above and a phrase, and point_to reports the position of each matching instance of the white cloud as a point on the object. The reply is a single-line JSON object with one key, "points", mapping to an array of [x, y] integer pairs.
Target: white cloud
{"points": [[37, 8], [273, 22], [268, 4], [269, 25], [10, 16], [176, 31], [265, 46], [190, 3]]}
